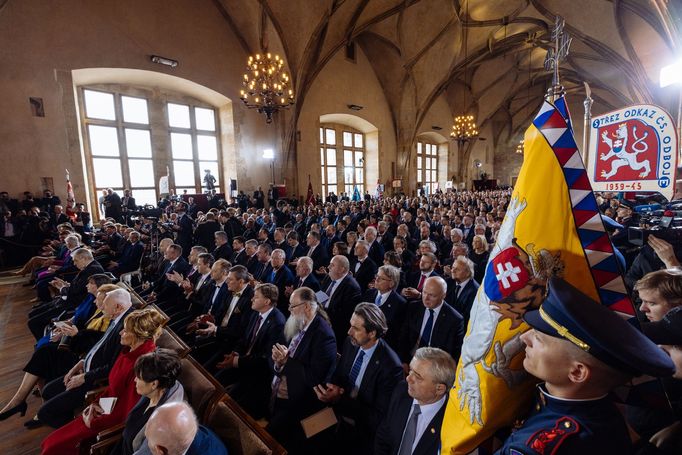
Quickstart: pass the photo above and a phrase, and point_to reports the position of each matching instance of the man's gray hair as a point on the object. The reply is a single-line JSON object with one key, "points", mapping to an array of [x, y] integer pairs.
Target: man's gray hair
{"points": [[307, 261], [392, 272], [72, 240], [83, 253], [343, 262], [441, 365], [121, 297]]}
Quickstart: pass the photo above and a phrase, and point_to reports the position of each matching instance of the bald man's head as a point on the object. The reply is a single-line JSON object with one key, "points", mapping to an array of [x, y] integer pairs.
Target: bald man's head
{"points": [[171, 429]]}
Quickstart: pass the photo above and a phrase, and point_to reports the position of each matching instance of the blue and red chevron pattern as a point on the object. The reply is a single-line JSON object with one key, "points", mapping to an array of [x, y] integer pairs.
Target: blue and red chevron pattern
{"points": [[554, 124]]}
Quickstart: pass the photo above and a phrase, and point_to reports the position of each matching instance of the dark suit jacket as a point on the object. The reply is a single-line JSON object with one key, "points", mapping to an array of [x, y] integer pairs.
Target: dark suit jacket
{"points": [[283, 278], [239, 258], [447, 334], [376, 252], [223, 252], [341, 305], [366, 273], [320, 257], [77, 290], [465, 300], [253, 387], [203, 234], [165, 289], [391, 430], [106, 355], [236, 326], [382, 374], [184, 236], [310, 282], [130, 258], [299, 251], [387, 240], [312, 364], [395, 310]]}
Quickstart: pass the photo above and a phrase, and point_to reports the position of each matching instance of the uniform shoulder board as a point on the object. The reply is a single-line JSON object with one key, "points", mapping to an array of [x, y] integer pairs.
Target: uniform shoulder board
{"points": [[546, 442]]}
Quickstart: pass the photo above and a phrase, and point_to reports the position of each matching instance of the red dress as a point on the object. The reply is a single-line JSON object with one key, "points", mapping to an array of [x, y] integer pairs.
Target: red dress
{"points": [[66, 439]]}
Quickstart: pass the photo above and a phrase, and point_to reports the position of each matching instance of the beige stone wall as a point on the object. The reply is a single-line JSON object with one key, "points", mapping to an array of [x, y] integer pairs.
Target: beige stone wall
{"points": [[340, 83]]}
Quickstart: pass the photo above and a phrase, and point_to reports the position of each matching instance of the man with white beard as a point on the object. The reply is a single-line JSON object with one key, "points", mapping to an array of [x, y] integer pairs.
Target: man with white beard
{"points": [[307, 361]]}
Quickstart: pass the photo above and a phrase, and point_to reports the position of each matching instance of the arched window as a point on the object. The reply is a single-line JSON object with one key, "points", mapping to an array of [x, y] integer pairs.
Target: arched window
{"points": [[427, 165], [129, 133], [341, 145]]}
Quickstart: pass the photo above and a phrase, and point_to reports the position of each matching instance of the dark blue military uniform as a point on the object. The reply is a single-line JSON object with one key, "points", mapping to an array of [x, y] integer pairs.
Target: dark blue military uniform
{"points": [[584, 427], [580, 427]]}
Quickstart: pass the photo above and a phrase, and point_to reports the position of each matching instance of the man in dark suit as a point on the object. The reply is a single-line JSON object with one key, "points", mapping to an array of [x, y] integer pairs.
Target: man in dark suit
{"points": [[467, 228], [279, 241], [74, 293], [343, 292], [364, 379], [305, 276], [128, 202], [363, 268], [246, 371], [418, 404], [231, 318], [204, 233], [130, 257], [222, 247], [184, 228], [165, 290], [262, 269], [394, 306], [462, 287], [307, 361], [239, 256], [297, 249], [251, 248], [384, 236], [197, 289], [280, 275], [316, 250], [432, 323], [415, 280], [112, 204], [64, 395], [376, 250]]}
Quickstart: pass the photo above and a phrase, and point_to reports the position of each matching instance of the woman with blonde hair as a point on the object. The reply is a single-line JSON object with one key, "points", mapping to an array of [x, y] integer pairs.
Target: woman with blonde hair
{"points": [[140, 330]]}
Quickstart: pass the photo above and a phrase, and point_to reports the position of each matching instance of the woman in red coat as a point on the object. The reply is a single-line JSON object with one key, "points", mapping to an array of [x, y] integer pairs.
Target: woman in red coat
{"points": [[140, 329]]}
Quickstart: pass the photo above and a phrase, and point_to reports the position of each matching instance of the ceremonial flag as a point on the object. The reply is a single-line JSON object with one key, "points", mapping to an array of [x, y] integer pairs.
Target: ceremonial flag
{"points": [[552, 228], [310, 198], [70, 197], [356, 194]]}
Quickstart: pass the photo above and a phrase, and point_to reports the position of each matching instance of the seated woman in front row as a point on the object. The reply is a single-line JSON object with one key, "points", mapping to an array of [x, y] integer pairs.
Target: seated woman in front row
{"points": [[156, 377], [140, 330]]}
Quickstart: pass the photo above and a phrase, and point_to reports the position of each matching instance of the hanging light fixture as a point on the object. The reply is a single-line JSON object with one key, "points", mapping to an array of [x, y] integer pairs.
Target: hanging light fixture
{"points": [[266, 85], [519, 147], [464, 127]]}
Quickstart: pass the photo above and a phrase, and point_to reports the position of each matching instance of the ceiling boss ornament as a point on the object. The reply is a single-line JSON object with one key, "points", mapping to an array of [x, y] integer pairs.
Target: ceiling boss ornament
{"points": [[266, 85]]}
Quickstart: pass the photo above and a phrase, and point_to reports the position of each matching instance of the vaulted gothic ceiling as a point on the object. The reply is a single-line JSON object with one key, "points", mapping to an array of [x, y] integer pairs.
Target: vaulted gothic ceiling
{"points": [[419, 50]]}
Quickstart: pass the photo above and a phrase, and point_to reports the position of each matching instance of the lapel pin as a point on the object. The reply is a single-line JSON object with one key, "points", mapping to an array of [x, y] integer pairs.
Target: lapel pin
{"points": [[433, 431]]}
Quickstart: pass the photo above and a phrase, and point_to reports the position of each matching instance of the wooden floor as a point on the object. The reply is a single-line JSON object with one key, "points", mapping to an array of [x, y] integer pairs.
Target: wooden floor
{"points": [[16, 346]]}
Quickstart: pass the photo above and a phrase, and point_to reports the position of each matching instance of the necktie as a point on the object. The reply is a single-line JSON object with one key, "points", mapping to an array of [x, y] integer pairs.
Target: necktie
{"points": [[421, 282], [410, 431], [277, 380], [457, 289], [330, 288], [378, 299], [355, 371], [357, 266], [428, 328], [300, 283], [254, 333]]}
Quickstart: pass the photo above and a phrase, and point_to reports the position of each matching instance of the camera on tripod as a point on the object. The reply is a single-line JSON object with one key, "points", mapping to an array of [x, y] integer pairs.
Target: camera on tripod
{"points": [[664, 224]]}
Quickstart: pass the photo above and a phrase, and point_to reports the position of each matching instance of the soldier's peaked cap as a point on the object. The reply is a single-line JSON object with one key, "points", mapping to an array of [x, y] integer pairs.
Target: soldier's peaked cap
{"points": [[569, 314]]}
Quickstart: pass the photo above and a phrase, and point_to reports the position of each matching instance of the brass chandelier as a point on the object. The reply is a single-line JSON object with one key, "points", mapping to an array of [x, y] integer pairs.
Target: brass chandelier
{"points": [[266, 85]]}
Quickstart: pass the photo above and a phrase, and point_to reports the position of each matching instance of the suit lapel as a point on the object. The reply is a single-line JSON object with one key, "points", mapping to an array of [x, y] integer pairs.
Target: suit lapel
{"points": [[431, 437]]}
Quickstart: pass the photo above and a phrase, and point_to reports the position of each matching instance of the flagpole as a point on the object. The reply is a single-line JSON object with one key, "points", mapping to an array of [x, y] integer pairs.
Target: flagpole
{"points": [[556, 53], [587, 103]]}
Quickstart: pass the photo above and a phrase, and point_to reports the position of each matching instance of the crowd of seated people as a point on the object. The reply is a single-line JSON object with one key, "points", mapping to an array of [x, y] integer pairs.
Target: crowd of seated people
{"points": [[294, 309]]}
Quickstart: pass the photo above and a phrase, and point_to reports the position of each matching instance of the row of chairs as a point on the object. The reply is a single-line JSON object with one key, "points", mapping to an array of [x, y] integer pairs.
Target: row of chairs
{"points": [[240, 433]]}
